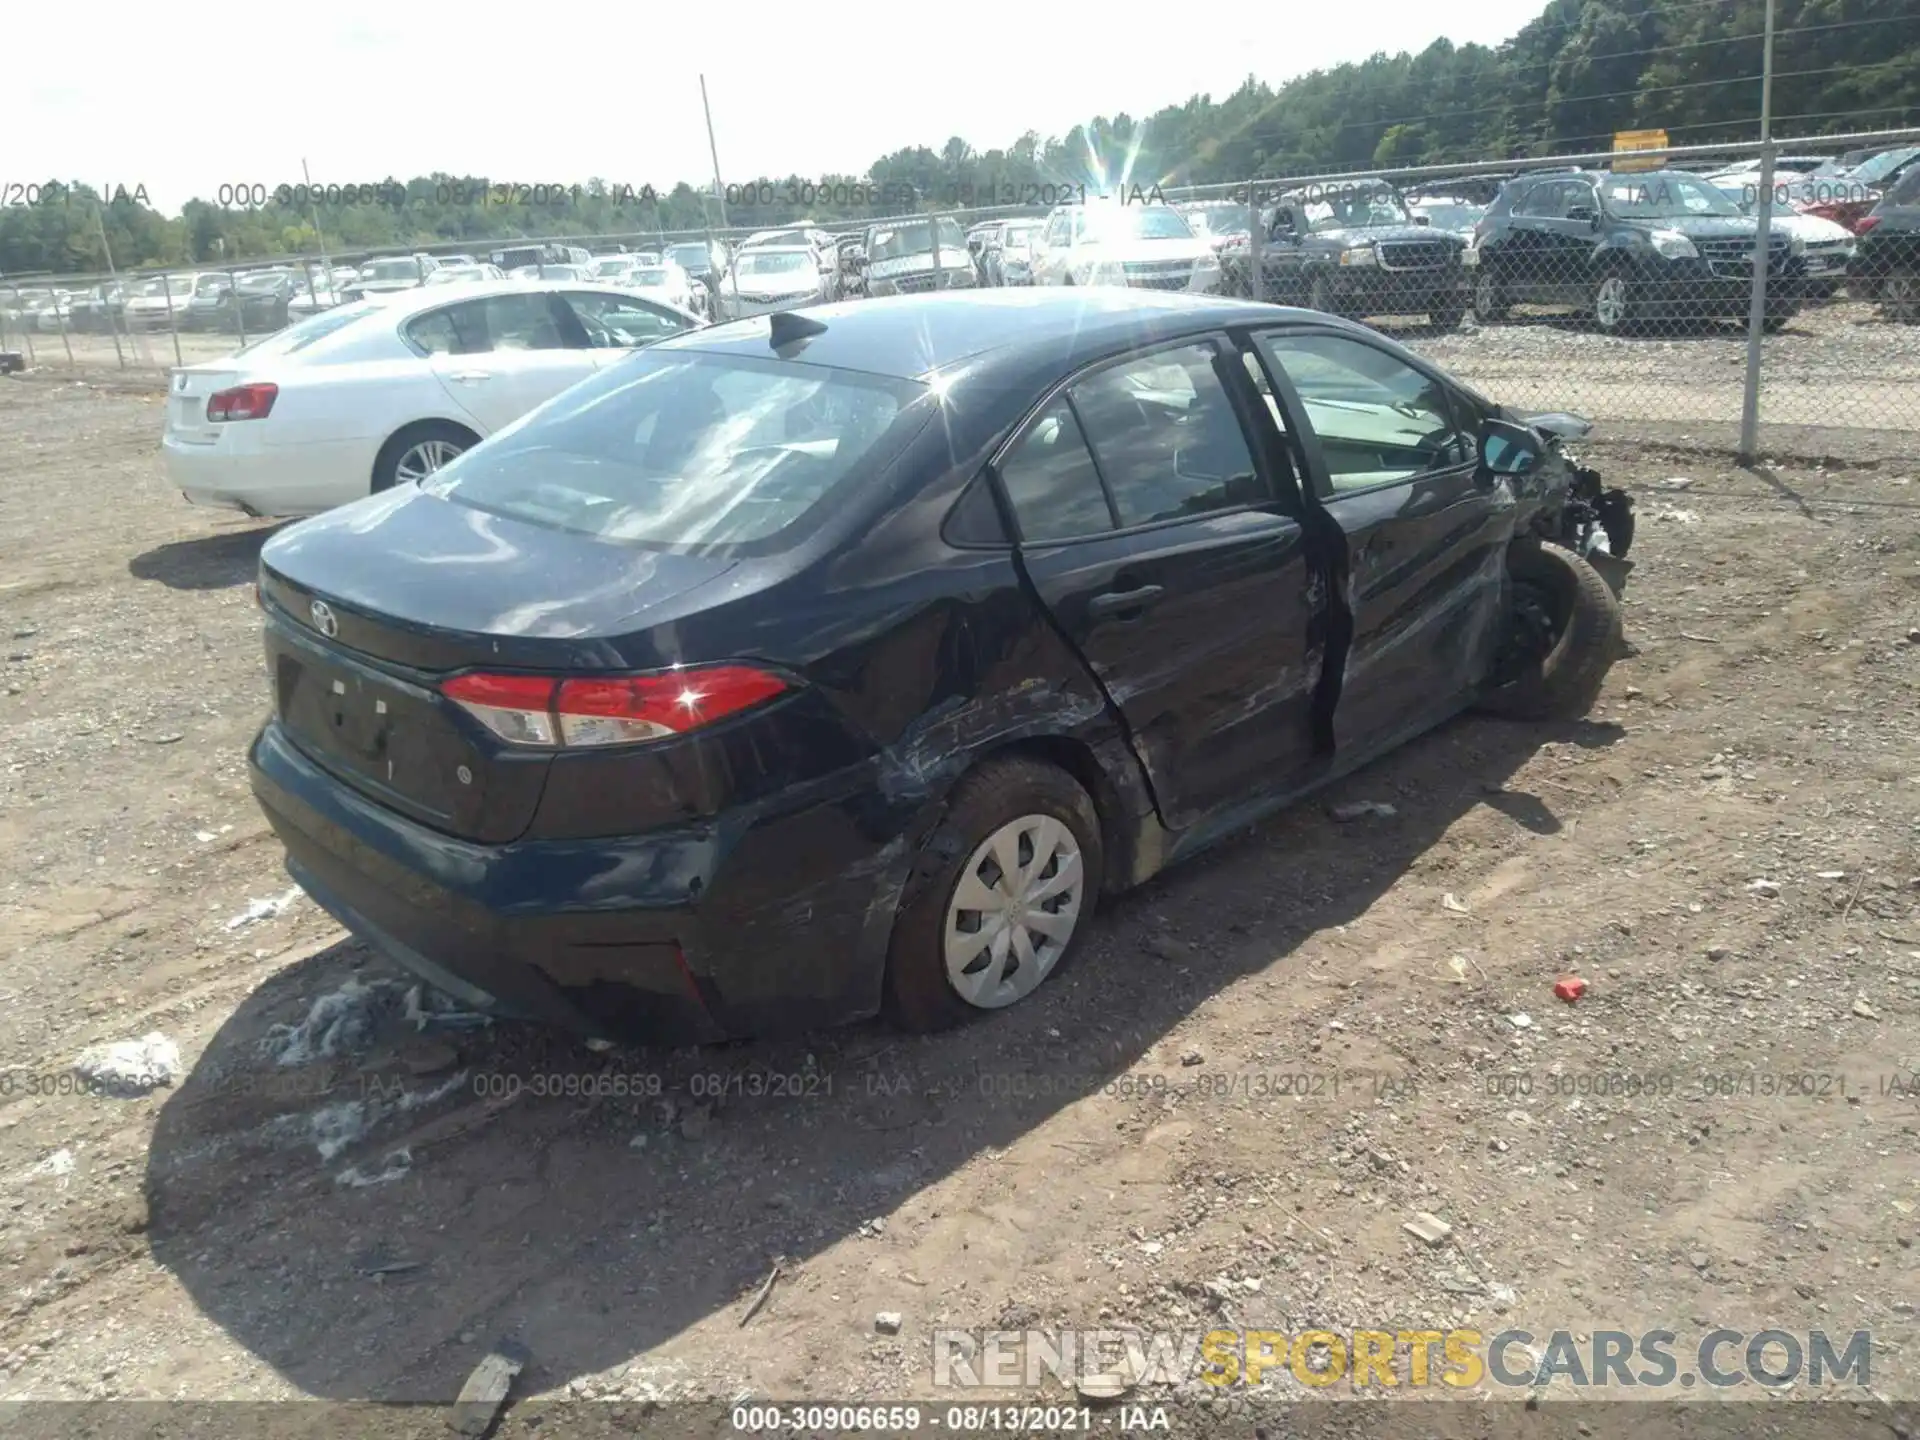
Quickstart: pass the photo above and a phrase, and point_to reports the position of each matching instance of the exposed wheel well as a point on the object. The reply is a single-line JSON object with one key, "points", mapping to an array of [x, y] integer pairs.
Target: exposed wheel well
{"points": [[1076, 757]]}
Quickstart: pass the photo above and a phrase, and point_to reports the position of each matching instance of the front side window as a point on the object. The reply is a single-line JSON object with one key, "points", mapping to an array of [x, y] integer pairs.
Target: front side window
{"points": [[1379, 420], [1165, 436], [617, 321], [678, 450]]}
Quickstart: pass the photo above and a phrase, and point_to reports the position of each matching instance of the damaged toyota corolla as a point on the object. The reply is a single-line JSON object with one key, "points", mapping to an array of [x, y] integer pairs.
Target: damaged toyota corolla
{"points": [[843, 661]]}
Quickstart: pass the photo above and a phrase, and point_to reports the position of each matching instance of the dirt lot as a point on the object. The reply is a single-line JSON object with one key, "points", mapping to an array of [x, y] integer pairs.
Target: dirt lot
{"points": [[1262, 1066]]}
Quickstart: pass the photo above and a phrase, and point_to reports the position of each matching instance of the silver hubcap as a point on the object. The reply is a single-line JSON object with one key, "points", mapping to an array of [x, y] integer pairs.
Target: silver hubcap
{"points": [[1014, 911], [1901, 292], [1610, 301], [421, 460]]}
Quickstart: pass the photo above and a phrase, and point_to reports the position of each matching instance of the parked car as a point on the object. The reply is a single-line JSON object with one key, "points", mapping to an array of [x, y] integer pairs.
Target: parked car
{"points": [[899, 257], [254, 303], [1009, 257], [389, 274], [467, 274], [1626, 250], [1222, 222], [1850, 197], [789, 237], [551, 272], [609, 269], [1445, 212], [1886, 264], [668, 284], [381, 391], [1147, 247], [518, 257], [1825, 247], [1356, 250], [773, 277], [160, 303], [698, 260], [101, 310], [56, 312], [802, 633], [316, 290]]}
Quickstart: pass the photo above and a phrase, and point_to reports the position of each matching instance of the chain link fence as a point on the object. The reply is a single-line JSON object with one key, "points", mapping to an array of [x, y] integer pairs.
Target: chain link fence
{"points": [[1618, 286]]}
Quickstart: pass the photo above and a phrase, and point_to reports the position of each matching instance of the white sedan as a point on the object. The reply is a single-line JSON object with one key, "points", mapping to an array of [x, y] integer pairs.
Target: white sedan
{"points": [[382, 392]]}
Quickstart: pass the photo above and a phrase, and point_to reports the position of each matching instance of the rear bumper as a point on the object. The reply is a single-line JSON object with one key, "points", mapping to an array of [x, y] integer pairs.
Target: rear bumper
{"points": [[278, 481], [749, 925]]}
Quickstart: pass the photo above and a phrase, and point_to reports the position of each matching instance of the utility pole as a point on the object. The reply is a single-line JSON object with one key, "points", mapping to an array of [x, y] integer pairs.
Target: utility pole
{"points": [[719, 190], [1757, 307]]}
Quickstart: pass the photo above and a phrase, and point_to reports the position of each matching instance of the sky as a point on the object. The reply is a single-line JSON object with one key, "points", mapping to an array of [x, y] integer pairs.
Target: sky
{"points": [[363, 91]]}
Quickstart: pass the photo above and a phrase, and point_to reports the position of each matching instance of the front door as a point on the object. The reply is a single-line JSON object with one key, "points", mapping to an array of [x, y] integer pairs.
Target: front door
{"points": [[1389, 449]]}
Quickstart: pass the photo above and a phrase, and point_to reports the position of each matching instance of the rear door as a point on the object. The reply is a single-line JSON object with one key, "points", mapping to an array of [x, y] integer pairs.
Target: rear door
{"points": [[498, 356], [1158, 545], [1390, 452]]}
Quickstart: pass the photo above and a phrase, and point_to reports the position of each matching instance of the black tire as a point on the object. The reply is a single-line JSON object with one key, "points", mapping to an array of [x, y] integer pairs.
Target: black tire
{"points": [[386, 464], [1489, 299], [1447, 317], [918, 996], [1607, 319], [1563, 682]]}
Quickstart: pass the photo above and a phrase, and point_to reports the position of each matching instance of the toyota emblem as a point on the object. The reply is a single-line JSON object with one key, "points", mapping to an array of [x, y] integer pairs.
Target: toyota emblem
{"points": [[324, 619]]}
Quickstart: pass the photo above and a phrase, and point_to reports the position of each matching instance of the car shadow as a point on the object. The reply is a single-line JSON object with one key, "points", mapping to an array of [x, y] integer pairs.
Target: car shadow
{"points": [[367, 1205], [207, 562]]}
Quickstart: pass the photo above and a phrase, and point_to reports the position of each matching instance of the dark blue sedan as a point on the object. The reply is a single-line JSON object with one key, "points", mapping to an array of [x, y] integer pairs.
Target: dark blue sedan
{"points": [[844, 660]]}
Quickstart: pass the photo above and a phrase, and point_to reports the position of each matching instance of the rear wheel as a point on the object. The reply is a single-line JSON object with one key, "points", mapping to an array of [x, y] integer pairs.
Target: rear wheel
{"points": [[1000, 899], [419, 450], [1563, 636], [1489, 301]]}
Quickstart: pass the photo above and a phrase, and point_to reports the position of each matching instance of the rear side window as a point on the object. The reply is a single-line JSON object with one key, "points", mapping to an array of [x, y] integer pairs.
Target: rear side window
{"points": [[678, 449], [1051, 480], [450, 330]]}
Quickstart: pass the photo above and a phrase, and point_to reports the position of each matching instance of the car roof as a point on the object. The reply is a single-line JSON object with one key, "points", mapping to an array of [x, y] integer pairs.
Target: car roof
{"points": [[1052, 328], [407, 303]]}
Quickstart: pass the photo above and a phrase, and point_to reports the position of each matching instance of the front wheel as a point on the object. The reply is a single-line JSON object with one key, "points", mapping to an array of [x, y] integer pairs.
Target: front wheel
{"points": [[1613, 304], [1320, 296], [1900, 295], [1000, 898], [1448, 316], [1563, 636]]}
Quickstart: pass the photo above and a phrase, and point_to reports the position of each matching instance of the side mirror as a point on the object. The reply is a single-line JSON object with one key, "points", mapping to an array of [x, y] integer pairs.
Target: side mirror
{"points": [[1584, 215], [1423, 220], [1508, 449]]}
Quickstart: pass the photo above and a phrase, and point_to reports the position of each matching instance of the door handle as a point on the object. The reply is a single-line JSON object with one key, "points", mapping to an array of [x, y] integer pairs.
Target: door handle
{"points": [[1116, 602], [471, 377]]}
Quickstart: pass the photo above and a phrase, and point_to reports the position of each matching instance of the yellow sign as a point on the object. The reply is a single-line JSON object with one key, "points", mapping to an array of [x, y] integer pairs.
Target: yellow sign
{"points": [[1625, 142]]}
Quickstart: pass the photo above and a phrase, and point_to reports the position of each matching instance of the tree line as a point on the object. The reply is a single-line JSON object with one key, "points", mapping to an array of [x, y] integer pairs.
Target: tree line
{"points": [[1577, 73]]}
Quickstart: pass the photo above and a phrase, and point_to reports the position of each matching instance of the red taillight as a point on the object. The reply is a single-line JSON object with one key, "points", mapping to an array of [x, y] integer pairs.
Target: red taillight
{"points": [[242, 402], [550, 711], [1866, 223]]}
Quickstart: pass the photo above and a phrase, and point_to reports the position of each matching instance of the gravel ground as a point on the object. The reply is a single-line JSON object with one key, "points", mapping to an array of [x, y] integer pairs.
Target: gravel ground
{"points": [[1264, 1065]]}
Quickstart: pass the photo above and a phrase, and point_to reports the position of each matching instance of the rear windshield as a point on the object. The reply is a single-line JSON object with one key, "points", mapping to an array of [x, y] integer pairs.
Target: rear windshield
{"points": [[298, 336], [681, 450]]}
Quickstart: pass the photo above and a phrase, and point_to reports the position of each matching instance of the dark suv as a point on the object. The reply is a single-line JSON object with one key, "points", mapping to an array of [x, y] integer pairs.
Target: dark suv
{"points": [[1886, 264], [1626, 249], [1352, 248]]}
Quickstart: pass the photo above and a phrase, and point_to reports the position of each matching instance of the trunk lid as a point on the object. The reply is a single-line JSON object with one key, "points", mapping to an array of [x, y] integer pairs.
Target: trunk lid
{"points": [[371, 605], [188, 388]]}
